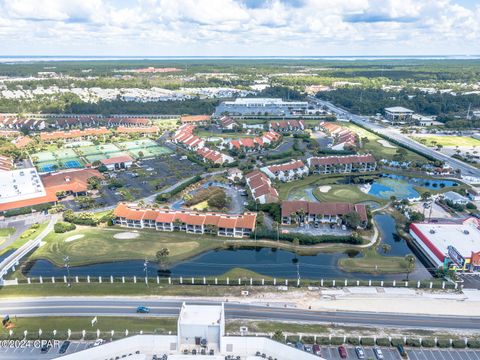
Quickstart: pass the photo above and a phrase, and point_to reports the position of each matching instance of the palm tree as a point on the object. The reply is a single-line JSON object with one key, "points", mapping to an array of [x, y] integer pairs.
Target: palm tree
{"points": [[162, 257], [410, 264]]}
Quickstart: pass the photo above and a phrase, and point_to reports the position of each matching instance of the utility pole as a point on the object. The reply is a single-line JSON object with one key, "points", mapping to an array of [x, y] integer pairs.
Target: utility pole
{"points": [[145, 269], [66, 261]]}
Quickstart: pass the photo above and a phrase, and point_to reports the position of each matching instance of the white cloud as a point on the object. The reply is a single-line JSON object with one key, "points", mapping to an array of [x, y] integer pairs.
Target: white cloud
{"points": [[234, 27]]}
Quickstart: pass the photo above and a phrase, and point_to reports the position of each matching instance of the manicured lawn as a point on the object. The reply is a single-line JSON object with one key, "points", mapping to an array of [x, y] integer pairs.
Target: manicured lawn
{"points": [[447, 141], [150, 325], [100, 245], [345, 193], [373, 263], [29, 234], [5, 232], [376, 148]]}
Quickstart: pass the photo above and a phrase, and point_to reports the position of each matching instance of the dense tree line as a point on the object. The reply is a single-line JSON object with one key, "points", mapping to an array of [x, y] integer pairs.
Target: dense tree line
{"points": [[373, 101]]}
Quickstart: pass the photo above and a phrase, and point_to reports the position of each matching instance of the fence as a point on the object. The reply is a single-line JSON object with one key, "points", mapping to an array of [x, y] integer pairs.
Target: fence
{"points": [[241, 281]]}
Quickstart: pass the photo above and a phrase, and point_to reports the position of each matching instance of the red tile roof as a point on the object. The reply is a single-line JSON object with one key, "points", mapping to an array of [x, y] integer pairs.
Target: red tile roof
{"points": [[116, 160]]}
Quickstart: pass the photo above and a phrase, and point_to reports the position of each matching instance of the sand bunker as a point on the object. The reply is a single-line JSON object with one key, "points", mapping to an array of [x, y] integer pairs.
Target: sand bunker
{"points": [[324, 189], [74, 237], [126, 235], [386, 144]]}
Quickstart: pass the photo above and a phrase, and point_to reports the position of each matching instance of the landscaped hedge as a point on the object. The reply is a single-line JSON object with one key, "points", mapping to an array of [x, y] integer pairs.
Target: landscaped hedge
{"points": [[383, 342], [443, 343], [396, 342], [63, 227], [305, 239], [27, 210], [321, 340], [368, 342], [164, 196], [428, 343], [474, 344], [308, 339], [293, 338], [353, 341], [458, 344], [336, 341], [413, 342]]}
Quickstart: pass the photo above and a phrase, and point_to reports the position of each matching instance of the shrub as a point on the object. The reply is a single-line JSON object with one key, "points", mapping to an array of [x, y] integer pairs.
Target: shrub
{"points": [[413, 342], [293, 338], [336, 340], [353, 341], [305, 239], [321, 340], [428, 343], [396, 342], [63, 227], [383, 342], [443, 343], [474, 344], [308, 340], [368, 342], [458, 344], [278, 336], [179, 188]]}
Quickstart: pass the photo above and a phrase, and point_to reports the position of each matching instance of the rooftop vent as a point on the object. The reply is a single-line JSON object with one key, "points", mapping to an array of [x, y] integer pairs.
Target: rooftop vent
{"points": [[432, 231]]}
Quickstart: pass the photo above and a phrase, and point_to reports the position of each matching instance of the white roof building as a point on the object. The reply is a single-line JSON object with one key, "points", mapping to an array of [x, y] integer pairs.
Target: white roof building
{"points": [[455, 198], [21, 184]]}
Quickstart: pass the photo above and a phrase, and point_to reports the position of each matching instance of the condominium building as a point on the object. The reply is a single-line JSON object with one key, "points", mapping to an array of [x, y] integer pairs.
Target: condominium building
{"points": [[342, 164], [261, 106], [286, 172], [133, 216], [261, 187]]}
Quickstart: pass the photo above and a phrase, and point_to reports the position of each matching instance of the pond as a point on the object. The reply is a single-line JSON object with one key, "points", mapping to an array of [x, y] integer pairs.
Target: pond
{"points": [[403, 187], [266, 261]]}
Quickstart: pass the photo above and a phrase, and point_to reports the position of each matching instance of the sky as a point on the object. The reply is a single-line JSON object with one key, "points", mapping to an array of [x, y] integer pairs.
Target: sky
{"points": [[239, 27]]}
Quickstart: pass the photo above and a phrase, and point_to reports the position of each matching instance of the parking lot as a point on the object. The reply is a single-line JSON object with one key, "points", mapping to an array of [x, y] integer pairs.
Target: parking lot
{"points": [[33, 352], [331, 352]]}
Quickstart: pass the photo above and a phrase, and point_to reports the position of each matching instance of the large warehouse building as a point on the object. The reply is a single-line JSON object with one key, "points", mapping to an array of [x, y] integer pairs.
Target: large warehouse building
{"points": [[452, 245]]}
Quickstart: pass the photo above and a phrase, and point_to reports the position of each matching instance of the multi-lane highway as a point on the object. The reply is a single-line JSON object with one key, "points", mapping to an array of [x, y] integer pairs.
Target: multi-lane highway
{"points": [[125, 306], [466, 169]]}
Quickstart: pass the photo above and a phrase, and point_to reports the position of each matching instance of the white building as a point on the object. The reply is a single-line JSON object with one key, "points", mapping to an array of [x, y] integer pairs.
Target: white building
{"points": [[261, 106], [456, 198], [286, 172], [201, 331], [117, 163], [18, 185], [398, 114]]}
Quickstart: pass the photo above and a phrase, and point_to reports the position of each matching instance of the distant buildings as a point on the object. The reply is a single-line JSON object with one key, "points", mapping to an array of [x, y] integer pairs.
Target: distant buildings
{"points": [[132, 216], [261, 187], [117, 163], [261, 106], [287, 126], [305, 212], [293, 170], [74, 135], [449, 245], [398, 114], [249, 144], [455, 198], [342, 164]]}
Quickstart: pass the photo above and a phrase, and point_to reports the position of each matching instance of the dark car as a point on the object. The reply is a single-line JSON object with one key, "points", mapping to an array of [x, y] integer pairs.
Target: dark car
{"points": [[143, 310], [343, 352], [299, 345], [44, 349], [402, 351], [316, 350], [64, 347]]}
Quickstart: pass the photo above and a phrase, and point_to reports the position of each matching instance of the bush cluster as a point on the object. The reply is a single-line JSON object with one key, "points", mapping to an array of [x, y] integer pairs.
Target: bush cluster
{"points": [[63, 227]]}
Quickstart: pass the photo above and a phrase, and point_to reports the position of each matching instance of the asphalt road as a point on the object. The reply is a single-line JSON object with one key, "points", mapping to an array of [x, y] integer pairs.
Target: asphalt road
{"points": [[124, 306], [466, 169]]}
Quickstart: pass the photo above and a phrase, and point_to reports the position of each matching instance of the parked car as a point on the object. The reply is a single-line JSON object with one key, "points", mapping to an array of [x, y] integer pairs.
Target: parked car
{"points": [[343, 352], [316, 350], [98, 342], [360, 352], [64, 347], [378, 353], [299, 345], [44, 349], [402, 351], [143, 310], [308, 348]]}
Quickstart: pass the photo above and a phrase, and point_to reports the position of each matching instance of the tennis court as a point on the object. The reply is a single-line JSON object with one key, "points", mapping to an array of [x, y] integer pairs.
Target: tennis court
{"points": [[46, 167], [64, 154], [44, 156], [144, 148], [97, 149], [72, 163], [137, 144]]}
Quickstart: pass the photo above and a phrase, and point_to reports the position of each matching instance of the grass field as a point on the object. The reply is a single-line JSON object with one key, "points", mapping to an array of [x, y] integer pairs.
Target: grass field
{"points": [[99, 245], [76, 324], [376, 148], [5, 234], [350, 193], [447, 141], [374, 263]]}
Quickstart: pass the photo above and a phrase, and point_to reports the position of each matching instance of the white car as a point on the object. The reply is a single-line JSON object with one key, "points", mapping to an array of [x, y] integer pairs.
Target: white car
{"points": [[98, 342], [378, 353]]}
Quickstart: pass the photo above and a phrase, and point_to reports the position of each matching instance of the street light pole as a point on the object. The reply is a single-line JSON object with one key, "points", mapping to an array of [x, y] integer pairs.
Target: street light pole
{"points": [[145, 268], [66, 260]]}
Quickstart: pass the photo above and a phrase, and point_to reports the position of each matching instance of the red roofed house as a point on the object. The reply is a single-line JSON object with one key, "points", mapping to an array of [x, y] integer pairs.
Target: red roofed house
{"points": [[70, 182], [342, 164], [261, 187], [287, 125], [286, 172], [118, 162], [305, 212], [133, 216], [22, 141], [228, 123], [196, 119]]}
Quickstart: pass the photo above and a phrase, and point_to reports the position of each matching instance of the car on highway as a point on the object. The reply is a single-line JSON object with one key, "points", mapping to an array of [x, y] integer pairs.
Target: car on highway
{"points": [[143, 310], [343, 352], [64, 347], [378, 353], [98, 342], [360, 352], [316, 350]]}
